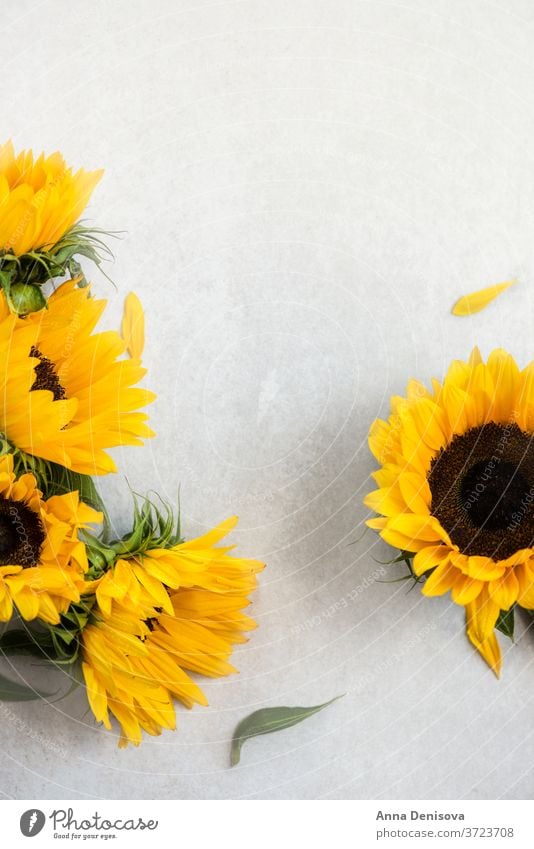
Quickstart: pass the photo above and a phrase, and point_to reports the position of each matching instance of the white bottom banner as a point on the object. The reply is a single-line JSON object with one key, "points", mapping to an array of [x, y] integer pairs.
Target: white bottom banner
{"points": [[264, 825]]}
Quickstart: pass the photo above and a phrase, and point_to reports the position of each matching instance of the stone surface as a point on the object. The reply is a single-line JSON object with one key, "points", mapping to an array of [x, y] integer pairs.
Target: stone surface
{"points": [[305, 189]]}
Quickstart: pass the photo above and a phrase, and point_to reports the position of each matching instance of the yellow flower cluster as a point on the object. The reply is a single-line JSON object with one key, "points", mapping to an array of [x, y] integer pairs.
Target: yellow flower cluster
{"points": [[159, 617], [143, 616]]}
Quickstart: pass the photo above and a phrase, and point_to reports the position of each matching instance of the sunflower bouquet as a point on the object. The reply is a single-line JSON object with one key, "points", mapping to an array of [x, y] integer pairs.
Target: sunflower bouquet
{"points": [[456, 491], [137, 614]]}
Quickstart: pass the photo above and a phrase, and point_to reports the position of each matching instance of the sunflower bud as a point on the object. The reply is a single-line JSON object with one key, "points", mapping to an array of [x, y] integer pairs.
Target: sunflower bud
{"points": [[26, 298]]}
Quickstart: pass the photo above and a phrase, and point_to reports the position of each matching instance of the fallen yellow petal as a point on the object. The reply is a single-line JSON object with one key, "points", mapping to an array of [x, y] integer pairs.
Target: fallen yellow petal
{"points": [[133, 326], [476, 301]]}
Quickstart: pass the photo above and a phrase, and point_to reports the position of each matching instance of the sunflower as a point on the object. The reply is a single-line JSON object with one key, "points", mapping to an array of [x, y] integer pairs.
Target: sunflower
{"points": [[42, 560], [456, 488], [40, 199], [157, 618], [66, 394]]}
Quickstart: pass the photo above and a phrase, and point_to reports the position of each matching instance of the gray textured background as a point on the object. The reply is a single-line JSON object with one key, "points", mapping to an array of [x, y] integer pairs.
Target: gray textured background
{"points": [[306, 187]]}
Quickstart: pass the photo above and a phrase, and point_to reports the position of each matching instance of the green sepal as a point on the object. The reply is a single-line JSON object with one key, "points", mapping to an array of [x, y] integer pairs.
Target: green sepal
{"points": [[405, 557], [100, 555], [25, 298], [41, 265], [154, 526], [506, 621], [66, 636]]}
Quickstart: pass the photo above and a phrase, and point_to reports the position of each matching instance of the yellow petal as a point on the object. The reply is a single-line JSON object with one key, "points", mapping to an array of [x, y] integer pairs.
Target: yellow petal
{"points": [[387, 501], [96, 695], [525, 575], [427, 558], [440, 580], [489, 649], [465, 589], [133, 326], [424, 527], [482, 614], [416, 492], [477, 301], [504, 591]]}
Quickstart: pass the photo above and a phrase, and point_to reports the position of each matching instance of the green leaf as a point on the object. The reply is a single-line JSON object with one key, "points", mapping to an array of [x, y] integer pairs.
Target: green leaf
{"points": [[58, 645], [11, 691], [505, 622], [65, 649], [268, 720], [76, 676], [47, 262], [22, 642], [154, 526]]}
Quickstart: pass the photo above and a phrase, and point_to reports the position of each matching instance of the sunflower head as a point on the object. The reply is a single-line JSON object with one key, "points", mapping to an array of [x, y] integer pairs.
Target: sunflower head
{"points": [[40, 199], [158, 615], [456, 488], [42, 559], [69, 394]]}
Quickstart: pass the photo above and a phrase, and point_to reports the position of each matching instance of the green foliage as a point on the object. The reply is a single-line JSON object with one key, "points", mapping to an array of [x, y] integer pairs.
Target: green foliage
{"points": [[39, 266], [21, 641], [506, 621], [43, 644], [24, 298], [268, 720], [56, 643], [154, 526], [405, 557], [12, 691]]}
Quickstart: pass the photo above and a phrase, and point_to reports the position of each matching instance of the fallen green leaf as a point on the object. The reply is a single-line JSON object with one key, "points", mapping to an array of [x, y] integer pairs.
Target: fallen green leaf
{"points": [[268, 720]]}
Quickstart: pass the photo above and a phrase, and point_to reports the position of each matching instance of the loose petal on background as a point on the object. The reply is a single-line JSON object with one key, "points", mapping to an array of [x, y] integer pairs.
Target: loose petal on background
{"points": [[133, 326], [477, 301]]}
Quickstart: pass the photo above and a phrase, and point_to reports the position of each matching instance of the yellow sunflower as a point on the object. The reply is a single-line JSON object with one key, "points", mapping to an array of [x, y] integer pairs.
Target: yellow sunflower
{"points": [[456, 488], [157, 618], [42, 560], [67, 395], [40, 199]]}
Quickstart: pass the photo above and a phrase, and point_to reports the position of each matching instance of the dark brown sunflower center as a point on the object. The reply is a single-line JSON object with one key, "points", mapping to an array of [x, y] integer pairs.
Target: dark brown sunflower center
{"points": [[482, 487], [21, 534], [45, 375], [151, 622]]}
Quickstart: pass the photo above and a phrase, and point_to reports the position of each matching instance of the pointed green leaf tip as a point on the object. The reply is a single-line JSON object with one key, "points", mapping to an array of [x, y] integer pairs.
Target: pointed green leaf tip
{"points": [[11, 691], [268, 720], [505, 622]]}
